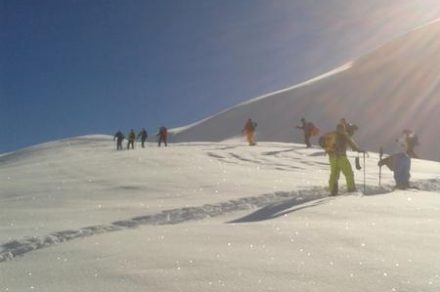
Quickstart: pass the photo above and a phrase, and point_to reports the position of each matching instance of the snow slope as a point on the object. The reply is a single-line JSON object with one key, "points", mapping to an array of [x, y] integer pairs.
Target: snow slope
{"points": [[396, 86], [79, 216]]}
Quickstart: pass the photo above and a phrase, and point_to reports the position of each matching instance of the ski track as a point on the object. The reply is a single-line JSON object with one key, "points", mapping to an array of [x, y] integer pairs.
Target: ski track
{"points": [[297, 200], [256, 159]]}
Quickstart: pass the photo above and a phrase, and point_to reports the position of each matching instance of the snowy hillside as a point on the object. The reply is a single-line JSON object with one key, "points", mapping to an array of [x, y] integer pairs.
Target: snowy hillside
{"points": [[394, 87], [79, 216]]}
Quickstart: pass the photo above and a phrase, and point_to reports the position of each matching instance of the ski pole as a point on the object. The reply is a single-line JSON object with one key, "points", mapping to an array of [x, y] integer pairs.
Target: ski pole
{"points": [[380, 166], [364, 173]]}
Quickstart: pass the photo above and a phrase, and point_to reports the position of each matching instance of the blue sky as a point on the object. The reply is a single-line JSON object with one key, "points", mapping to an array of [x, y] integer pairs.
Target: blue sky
{"points": [[76, 67]]}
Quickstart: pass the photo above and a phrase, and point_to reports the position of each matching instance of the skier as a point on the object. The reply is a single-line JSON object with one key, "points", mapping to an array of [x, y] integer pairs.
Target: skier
{"points": [[400, 164], [249, 131], [163, 133], [143, 135], [131, 139], [336, 144], [309, 130], [119, 137]]}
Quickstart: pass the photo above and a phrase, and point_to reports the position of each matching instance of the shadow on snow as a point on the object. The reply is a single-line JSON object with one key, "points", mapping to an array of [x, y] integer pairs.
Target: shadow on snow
{"points": [[273, 211], [269, 206]]}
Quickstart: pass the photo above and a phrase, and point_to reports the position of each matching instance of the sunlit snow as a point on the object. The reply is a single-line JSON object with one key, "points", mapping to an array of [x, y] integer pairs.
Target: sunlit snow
{"points": [[77, 215]]}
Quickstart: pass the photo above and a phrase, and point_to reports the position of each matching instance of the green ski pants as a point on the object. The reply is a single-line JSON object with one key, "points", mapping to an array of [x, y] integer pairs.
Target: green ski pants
{"points": [[340, 163]]}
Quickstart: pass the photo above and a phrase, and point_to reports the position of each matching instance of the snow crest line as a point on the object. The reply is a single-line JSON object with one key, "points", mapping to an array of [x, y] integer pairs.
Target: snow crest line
{"points": [[14, 248]]}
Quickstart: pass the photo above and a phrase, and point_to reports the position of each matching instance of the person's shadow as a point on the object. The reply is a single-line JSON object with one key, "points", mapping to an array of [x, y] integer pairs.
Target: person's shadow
{"points": [[280, 209]]}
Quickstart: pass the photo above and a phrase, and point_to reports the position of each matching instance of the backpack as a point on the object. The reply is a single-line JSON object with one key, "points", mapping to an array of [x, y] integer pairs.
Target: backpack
{"points": [[328, 141], [312, 129], [250, 126]]}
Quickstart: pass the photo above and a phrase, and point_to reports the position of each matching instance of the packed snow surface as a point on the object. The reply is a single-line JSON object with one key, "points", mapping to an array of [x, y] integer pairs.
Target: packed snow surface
{"points": [[77, 215]]}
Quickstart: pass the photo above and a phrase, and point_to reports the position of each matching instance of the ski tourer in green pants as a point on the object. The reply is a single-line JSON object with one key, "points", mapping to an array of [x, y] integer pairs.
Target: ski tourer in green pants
{"points": [[339, 161]]}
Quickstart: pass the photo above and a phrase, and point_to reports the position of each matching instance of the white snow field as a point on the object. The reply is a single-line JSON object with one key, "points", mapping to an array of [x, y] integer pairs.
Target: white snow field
{"points": [[77, 215]]}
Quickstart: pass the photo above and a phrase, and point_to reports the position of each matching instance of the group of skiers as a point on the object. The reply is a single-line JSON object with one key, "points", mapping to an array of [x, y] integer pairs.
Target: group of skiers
{"points": [[308, 128], [142, 136], [337, 142]]}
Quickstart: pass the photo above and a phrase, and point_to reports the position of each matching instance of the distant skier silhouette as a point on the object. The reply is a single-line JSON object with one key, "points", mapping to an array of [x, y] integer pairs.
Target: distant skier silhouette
{"points": [[119, 138], [309, 130], [131, 139], [249, 131], [143, 135], [163, 135]]}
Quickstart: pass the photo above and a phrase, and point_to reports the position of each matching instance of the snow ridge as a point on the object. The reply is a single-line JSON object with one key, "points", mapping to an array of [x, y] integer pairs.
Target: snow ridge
{"points": [[272, 204]]}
